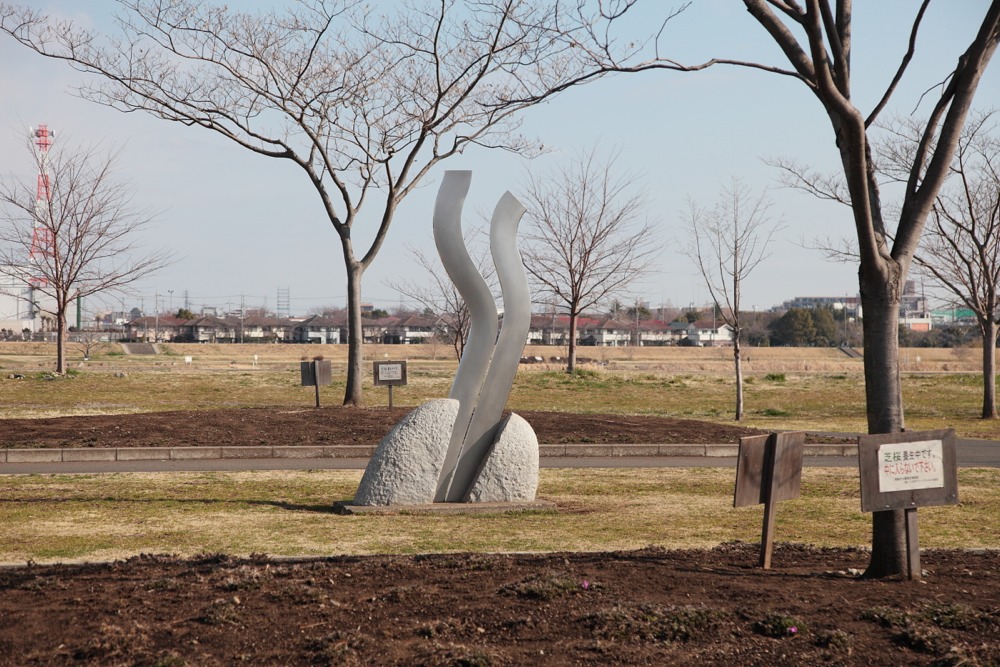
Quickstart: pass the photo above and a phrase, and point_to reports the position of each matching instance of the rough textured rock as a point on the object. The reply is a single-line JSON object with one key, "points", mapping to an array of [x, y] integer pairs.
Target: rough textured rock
{"points": [[406, 464], [511, 469]]}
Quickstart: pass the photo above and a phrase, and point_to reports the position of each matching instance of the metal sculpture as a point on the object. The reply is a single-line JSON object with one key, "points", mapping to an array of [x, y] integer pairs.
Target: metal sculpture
{"points": [[457, 449], [489, 362]]}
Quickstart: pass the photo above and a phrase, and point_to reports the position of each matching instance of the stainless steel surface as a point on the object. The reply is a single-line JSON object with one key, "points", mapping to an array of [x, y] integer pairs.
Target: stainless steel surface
{"points": [[509, 346], [482, 310]]}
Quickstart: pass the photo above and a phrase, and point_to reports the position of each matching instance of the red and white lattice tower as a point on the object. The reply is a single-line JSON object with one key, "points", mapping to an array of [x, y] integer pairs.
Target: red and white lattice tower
{"points": [[42, 238]]}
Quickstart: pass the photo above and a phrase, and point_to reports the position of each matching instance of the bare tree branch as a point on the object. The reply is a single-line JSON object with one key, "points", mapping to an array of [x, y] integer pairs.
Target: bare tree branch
{"points": [[586, 241], [80, 238], [961, 248], [726, 243], [440, 297], [365, 101]]}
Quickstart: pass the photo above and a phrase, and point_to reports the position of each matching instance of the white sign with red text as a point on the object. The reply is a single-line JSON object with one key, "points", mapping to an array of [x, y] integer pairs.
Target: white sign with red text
{"points": [[907, 466]]}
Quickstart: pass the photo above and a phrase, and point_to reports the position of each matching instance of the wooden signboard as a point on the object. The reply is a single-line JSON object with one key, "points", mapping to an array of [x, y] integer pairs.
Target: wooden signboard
{"points": [[768, 470], [390, 374], [315, 373], [906, 471]]}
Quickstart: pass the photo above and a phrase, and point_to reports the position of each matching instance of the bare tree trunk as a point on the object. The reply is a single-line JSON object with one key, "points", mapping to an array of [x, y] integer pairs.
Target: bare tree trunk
{"points": [[61, 337], [355, 335], [989, 329], [738, 361], [571, 355], [880, 303]]}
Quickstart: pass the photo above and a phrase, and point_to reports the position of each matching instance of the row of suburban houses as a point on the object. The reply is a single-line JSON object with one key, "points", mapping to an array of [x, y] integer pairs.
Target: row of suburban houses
{"points": [[405, 329]]}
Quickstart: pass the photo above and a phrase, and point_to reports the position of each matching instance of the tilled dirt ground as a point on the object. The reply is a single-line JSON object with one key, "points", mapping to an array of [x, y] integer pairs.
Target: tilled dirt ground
{"points": [[331, 426], [649, 607]]}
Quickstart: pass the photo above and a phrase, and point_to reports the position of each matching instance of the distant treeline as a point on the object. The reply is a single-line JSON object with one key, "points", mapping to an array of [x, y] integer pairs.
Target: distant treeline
{"points": [[825, 327]]}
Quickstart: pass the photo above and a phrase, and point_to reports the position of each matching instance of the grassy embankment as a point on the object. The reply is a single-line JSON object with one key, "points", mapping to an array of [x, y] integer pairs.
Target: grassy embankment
{"points": [[813, 389]]}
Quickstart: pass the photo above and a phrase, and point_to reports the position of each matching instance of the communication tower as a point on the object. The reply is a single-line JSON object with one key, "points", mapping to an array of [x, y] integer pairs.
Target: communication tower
{"points": [[284, 302], [42, 237]]}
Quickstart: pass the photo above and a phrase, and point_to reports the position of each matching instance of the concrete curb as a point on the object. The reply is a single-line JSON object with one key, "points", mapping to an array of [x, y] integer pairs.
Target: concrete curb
{"points": [[60, 455]]}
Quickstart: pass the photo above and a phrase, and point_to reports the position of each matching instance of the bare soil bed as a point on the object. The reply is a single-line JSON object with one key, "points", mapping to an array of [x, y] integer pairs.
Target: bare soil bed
{"points": [[330, 426], [649, 607]]}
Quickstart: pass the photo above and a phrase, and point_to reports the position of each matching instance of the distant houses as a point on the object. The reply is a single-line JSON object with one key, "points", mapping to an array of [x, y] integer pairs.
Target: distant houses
{"points": [[414, 328]]}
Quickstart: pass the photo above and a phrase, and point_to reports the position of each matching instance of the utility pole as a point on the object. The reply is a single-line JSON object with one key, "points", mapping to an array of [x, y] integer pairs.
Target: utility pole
{"points": [[638, 340]]}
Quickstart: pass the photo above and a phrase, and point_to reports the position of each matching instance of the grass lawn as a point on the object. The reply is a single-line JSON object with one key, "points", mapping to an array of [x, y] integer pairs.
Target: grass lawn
{"points": [[47, 518], [57, 517], [796, 397]]}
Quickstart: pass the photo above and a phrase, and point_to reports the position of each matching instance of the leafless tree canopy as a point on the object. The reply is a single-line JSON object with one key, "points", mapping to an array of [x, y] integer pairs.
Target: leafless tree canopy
{"points": [[960, 252], [962, 247], [441, 297], [727, 242], [364, 101], [89, 229], [586, 240]]}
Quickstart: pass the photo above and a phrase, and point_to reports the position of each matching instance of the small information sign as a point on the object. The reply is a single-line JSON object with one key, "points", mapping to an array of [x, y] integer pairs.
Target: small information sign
{"points": [[390, 373], [768, 470], [907, 466], [316, 373], [905, 470]]}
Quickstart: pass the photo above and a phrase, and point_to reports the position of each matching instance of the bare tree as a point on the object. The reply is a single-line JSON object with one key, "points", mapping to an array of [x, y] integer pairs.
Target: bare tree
{"points": [[88, 340], [78, 240], [821, 59], [586, 241], [440, 296], [961, 247], [364, 104], [727, 242], [815, 37]]}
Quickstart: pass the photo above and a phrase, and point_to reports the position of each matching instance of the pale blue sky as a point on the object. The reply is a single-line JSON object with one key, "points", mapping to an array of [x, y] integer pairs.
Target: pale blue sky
{"points": [[246, 225]]}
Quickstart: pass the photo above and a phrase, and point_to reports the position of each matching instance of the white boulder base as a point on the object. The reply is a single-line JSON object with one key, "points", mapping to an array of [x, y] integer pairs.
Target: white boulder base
{"points": [[405, 467], [510, 472]]}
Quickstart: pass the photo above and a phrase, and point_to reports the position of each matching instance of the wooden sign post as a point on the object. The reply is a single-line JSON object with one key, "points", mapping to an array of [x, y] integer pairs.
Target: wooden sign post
{"points": [[390, 374], [768, 470], [905, 471], [315, 373]]}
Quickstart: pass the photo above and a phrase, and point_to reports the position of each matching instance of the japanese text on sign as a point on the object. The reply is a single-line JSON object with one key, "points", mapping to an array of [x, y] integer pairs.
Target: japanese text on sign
{"points": [[390, 372], [907, 466]]}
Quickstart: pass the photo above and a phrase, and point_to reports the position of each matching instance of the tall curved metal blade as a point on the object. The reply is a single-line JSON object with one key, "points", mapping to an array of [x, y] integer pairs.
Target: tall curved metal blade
{"points": [[482, 313], [509, 346]]}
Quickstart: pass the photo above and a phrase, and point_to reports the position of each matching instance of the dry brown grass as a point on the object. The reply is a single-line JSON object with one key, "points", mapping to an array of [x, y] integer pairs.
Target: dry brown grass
{"points": [[57, 518], [671, 359], [803, 388]]}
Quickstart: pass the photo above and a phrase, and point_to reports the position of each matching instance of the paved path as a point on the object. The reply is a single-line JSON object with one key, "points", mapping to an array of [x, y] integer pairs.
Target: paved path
{"points": [[971, 454]]}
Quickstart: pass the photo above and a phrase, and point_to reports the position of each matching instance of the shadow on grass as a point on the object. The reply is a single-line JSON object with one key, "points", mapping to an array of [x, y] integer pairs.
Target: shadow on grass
{"points": [[326, 508]]}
